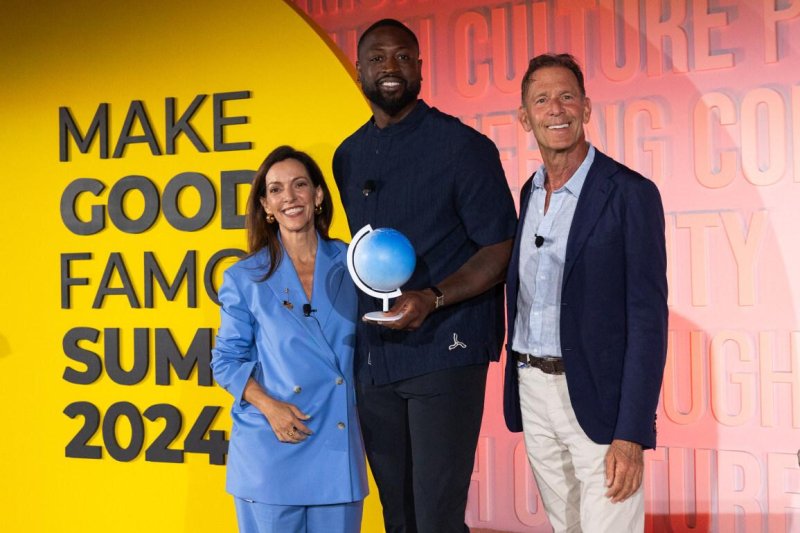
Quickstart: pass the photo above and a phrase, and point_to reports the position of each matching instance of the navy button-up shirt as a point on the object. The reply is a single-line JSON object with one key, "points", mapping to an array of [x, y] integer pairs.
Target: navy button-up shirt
{"points": [[442, 185]]}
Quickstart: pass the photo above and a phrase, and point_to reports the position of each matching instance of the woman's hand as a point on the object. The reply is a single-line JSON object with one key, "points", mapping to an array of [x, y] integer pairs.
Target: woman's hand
{"points": [[285, 419]]}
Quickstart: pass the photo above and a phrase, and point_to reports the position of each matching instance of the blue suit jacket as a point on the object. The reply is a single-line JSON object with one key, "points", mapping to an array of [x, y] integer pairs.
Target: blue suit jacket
{"points": [[613, 306], [307, 361]]}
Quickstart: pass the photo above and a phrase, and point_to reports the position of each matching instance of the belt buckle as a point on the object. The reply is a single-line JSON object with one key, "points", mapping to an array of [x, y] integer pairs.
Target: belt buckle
{"points": [[552, 365], [548, 365]]}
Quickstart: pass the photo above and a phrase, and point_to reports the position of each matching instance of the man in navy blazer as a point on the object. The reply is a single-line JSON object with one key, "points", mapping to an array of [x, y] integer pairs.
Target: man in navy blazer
{"points": [[587, 313]]}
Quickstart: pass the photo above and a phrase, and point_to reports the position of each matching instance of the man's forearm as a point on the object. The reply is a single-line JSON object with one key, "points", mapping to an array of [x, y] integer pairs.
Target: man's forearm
{"points": [[485, 269]]}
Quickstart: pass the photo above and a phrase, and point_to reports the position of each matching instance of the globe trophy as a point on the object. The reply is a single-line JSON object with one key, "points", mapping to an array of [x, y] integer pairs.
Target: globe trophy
{"points": [[380, 261]]}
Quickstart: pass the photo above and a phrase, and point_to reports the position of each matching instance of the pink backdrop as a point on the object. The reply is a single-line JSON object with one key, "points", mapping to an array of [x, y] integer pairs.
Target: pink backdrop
{"points": [[704, 98]]}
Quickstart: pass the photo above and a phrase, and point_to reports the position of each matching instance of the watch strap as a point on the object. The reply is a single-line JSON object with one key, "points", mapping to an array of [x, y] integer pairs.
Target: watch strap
{"points": [[439, 296]]}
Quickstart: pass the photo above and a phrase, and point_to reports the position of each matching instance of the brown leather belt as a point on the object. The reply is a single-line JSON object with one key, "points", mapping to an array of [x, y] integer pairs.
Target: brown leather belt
{"points": [[548, 365]]}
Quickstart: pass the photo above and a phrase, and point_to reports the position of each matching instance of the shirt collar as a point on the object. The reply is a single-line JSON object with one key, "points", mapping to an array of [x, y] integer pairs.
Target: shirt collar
{"points": [[410, 121], [573, 184]]}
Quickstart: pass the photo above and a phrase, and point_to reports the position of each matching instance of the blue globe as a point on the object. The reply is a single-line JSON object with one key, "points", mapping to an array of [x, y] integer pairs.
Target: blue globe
{"points": [[384, 259]]}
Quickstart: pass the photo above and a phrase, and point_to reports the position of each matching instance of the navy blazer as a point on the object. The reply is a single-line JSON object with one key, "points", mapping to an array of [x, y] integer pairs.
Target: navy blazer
{"points": [[613, 306], [303, 360]]}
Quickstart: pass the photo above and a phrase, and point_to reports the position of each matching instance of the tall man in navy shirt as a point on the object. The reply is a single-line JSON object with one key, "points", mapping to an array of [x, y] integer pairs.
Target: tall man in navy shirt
{"points": [[587, 313], [422, 378]]}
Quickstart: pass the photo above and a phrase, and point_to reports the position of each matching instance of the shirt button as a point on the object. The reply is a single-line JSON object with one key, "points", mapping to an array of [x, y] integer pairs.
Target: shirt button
{"points": [[298, 389], [340, 425], [339, 380]]}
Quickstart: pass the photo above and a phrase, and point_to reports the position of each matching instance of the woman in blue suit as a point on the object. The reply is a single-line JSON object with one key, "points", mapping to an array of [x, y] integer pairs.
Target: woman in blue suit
{"points": [[284, 350]]}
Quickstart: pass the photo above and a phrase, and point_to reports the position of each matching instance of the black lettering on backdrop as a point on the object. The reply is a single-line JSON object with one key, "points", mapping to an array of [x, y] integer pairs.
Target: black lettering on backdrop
{"points": [[116, 208], [175, 128], [208, 201], [221, 122], [93, 363], [169, 356], [112, 355], [69, 208], [166, 356], [136, 113], [230, 180], [79, 446], [160, 450], [67, 280], [187, 271], [113, 447], [151, 271], [69, 130], [230, 183], [211, 268], [116, 264]]}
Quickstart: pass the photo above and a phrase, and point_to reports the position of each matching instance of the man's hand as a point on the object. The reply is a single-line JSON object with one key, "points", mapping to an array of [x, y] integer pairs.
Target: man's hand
{"points": [[624, 469], [415, 306], [485, 269]]}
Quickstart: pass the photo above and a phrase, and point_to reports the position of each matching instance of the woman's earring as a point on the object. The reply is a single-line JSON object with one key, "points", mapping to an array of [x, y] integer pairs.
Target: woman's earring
{"points": [[270, 218], [318, 209]]}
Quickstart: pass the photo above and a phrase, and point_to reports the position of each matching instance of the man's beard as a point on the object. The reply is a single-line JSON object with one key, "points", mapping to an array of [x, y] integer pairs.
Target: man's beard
{"points": [[392, 106]]}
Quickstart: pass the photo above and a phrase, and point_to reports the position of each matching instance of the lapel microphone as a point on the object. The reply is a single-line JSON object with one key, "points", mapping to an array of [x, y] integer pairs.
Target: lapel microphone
{"points": [[538, 241], [307, 310], [368, 187]]}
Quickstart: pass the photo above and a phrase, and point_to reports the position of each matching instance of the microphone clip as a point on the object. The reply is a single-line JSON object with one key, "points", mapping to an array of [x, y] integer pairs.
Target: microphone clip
{"points": [[368, 187]]}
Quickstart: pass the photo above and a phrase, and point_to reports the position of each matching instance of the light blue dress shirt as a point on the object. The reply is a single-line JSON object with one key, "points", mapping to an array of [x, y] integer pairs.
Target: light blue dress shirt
{"points": [[541, 270]]}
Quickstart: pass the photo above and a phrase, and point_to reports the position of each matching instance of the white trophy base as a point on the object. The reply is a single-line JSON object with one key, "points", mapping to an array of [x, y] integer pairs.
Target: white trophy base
{"points": [[380, 316]]}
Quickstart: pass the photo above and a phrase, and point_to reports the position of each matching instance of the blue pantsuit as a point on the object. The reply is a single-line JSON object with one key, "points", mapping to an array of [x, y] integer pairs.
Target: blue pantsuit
{"points": [[305, 359]]}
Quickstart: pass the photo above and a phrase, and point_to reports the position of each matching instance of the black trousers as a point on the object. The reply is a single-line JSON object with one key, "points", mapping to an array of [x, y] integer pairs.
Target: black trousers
{"points": [[420, 435]]}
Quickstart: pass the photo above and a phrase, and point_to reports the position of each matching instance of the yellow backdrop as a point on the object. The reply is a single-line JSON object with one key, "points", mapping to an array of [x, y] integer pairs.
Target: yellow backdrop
{"points": [[205, 88]]}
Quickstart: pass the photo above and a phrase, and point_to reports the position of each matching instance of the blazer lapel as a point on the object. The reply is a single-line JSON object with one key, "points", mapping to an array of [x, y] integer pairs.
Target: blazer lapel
{"points": [[285, 277], [328, 276], [594, 195], [512, 277], [286, 287]]}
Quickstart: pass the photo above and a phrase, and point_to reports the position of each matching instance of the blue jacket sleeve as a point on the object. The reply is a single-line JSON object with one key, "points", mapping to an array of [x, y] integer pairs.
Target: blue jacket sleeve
{"points": [[234, 358], [646, 312]]}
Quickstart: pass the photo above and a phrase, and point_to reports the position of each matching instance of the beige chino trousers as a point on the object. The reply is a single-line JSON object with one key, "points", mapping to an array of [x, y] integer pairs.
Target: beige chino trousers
{"points": [[568, 466]]}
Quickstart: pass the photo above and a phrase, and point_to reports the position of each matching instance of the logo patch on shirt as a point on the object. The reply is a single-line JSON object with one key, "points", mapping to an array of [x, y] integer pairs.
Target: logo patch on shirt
{"points": [[456, 343]]}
